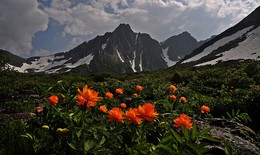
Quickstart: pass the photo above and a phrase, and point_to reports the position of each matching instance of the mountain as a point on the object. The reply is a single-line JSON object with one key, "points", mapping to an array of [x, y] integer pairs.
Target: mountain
{"points": [[119, 51], [239, 42], [176, 47]]}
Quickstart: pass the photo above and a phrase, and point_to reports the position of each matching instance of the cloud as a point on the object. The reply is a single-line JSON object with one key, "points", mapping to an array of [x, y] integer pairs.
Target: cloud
{"points": [[82, 19], [160, 18], [20, 20], [41, 52], [75, 41], [79, 19]]}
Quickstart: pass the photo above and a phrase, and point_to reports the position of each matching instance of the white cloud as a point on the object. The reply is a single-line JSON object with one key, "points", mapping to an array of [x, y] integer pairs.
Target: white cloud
{"points": [[160, 18], [20, 20], [83, 19], [42, 52], [75, 42]]}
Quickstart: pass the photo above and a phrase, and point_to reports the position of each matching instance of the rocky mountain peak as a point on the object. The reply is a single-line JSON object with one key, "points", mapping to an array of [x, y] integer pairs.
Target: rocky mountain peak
{"points": [[123, 28]]}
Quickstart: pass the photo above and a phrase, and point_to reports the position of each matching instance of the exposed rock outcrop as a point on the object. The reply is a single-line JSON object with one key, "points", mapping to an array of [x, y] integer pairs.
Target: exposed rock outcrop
{"points": [[243, 139]]}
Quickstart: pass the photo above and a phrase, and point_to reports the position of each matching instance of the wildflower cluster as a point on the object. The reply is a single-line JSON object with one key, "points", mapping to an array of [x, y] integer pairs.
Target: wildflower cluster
{"points": [[124, 107]]}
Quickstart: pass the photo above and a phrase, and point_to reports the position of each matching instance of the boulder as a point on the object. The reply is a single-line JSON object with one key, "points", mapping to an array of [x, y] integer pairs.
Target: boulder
{"points": [[243, 139]]}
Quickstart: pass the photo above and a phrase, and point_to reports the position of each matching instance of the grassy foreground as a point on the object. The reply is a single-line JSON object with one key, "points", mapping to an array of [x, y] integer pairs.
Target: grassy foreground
{"points": [[140, 113]]}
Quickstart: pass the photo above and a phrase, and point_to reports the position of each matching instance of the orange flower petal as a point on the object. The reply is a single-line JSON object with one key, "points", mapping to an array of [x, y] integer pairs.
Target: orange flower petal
{"points": [[147, 112], [53, 99], [116, 114], [139, 88], [109, 95], [205, 109], [132, 115], [119, 91], [103, 108], [173, 88], [183, 120]]}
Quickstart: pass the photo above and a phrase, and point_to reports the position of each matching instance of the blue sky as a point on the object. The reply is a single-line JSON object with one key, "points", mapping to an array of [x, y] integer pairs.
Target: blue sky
{"points": [[44, 27]]}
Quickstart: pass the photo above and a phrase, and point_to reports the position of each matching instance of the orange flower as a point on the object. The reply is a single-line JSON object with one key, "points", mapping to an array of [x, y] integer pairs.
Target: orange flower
{"points": [[103, 108], [109, 95], [147, 112], [119, 91], [132, 115], [38, 110], [139, 88], [183, 120], [183, 99], [172, 97], [173, 88], [123, 105], [135, 95], [53, 99], [204, 109], [87, 96], [116, 114]]}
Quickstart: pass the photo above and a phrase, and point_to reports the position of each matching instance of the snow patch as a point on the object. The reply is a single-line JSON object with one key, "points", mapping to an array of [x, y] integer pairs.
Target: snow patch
{"points": [[119, 56], [41, 64], [19, 69], [248, 49], [132, 62], [85, 60], [59, 57], [104, 46], [141, 62], [166, 58], [218, 44]]}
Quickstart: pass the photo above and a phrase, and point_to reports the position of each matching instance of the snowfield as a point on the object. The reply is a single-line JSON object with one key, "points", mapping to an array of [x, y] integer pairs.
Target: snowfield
{"points": [[218, 44], [248, 49]]}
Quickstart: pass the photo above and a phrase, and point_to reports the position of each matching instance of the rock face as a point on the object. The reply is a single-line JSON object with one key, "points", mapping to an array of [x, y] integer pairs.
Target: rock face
{"points": [[181, 45], [243, 139]]}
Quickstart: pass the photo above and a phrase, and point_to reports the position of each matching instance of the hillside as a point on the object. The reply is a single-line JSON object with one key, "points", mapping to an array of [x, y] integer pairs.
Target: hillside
{"points": [[240, 42]]}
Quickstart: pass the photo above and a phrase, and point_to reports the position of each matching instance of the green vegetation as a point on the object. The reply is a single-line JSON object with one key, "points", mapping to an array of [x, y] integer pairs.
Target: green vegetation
{"points": [[230, 90]]}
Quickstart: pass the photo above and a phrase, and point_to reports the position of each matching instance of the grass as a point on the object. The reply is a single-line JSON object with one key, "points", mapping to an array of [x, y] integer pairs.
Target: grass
{"points": [[227, 88]]}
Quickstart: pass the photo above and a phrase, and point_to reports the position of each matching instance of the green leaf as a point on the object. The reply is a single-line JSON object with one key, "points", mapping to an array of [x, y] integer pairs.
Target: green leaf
{"points": [[27, 136], [89, 144], [208, 137], [238, 111], [194, 131], [229, 116], [49, 89], [165, 148], [177, 136], [199, 149], [185, 132], [72, 146], [228, 148], [175, 147], [233, 113], [102, 141], [78, 133], [166, 140], [204, 132]]}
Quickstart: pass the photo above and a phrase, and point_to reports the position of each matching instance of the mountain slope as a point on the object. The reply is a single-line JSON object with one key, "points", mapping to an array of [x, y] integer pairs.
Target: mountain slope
{"points": [[176, 47], [119, 51], [236, 43]]}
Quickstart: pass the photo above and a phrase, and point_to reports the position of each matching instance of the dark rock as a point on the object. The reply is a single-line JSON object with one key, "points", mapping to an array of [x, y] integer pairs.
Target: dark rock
{"points": [[176, 79], [243, 139]]}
